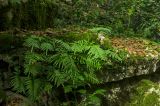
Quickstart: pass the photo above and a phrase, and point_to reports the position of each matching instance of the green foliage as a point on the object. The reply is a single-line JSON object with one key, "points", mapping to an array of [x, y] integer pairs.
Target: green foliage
{"points": [[51, 63], [90, 99], [15, 1], [146, 93], [101, 29], [127, 17]]}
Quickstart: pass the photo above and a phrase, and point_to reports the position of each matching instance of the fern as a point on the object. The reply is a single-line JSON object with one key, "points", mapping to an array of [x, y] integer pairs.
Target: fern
{"points": [[58, 77], [48, 87], [17, 83], [32, 42], [31, 58], [91, 98], [97, 53], [33, 69], [33, 87], [61, 46], [91, 78], [46, 47], [93, 64], [64, 62], [54, 63], [113, 55], [81, 46]]}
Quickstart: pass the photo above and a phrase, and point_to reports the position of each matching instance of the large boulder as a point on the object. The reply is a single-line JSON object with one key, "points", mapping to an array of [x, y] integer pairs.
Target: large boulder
{"points": [[130, 68]]}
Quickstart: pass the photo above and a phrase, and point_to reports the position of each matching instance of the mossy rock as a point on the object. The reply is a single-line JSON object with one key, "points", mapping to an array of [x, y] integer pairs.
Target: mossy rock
{"points": [[146, 93], [75, 36]]}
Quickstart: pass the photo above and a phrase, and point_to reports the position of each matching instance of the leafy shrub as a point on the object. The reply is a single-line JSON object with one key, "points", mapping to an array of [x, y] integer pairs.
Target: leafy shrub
{"points": [[51, 63]]}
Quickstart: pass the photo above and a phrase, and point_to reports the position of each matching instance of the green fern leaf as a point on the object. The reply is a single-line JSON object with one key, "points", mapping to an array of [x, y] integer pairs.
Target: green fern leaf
{"points": [[61, 46], [93, 64], [81, 46], [64, 62], [17, 83], [33, 69], [58, 77], [33, 87], [33, 57], [97, 53], [46, 46], [91, 78], [32, 42], [99, 92]]}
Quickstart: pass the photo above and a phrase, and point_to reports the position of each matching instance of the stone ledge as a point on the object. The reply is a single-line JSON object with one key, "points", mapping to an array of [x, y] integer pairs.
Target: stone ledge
{"points": [[122, 71]]}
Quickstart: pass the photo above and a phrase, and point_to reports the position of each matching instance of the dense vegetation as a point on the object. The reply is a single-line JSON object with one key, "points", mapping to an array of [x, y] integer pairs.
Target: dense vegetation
{"points": [[57, 52], [123, 17]]}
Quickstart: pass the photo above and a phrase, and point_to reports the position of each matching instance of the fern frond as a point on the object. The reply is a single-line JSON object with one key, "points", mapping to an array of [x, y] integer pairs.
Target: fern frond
{"points": [[33, 57], [58, 77], [99, 92], [81, 46], [96, 52], [61, 46], [67, 66], [33, 87], [46, 46], [18, 83], [93, 64], [64, 62], [33, 69], [91, 78], [32, 42], [113, 55]]}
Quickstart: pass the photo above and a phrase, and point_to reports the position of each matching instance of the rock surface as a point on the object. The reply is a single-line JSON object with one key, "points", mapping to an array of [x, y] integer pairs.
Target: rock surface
{"points": [[129, 69]]}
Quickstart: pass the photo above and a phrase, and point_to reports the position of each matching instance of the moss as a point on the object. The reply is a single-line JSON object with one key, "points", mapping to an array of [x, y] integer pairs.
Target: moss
{"points": [[146, 93], [72, 36]]}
